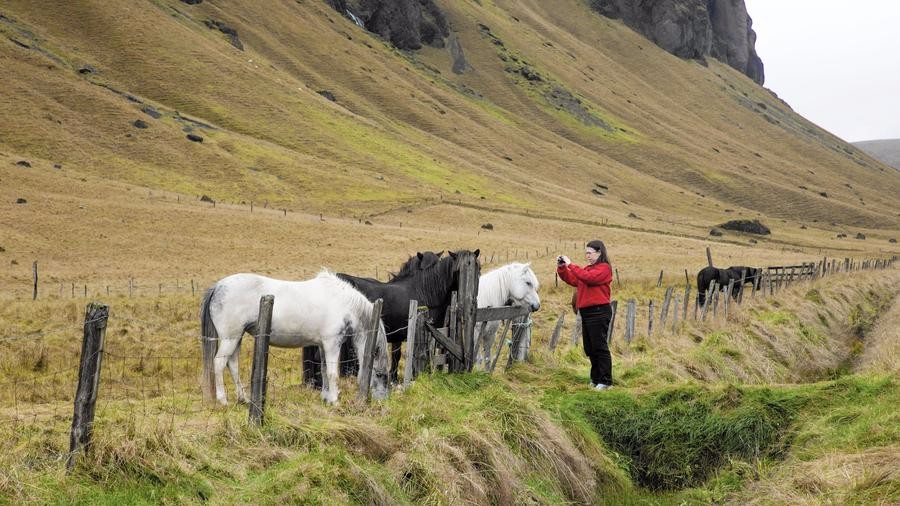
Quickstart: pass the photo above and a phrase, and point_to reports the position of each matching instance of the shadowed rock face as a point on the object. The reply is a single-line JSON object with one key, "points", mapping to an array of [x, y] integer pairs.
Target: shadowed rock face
{"points": [[693, 29], [406, 24]]}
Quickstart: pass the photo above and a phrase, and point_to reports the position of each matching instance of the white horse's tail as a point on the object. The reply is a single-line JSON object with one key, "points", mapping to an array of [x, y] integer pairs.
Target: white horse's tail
{"points": [[209, 340]]}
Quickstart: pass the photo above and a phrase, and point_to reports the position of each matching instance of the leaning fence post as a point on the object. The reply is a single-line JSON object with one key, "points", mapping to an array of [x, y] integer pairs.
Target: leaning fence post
{"points": [[410, 341], [741, 290], [687, 297], [500, 343], [576, 329], [95, 318], [259, 374], [368, 358], [612, 321], [555, 337], [664, 313]]}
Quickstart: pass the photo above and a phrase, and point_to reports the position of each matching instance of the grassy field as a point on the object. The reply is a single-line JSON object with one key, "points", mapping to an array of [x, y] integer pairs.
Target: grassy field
{"points": [[782, 397], [789, 401]]}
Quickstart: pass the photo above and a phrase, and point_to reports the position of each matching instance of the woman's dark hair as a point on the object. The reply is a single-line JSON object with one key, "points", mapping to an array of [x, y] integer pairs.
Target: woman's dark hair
{"points": [[598, 245]]}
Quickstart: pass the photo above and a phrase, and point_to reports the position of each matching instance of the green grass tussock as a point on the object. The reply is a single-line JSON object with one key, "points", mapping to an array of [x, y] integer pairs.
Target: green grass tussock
{"points": [[678, 438]]}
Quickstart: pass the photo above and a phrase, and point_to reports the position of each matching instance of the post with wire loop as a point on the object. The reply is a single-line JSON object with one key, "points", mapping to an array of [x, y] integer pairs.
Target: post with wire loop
{"points": [[95, 317], [410, 342], [259, 375], [365, 372]]}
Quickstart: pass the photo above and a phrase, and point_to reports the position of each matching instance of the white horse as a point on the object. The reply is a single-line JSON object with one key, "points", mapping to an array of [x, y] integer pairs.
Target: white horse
{"points": [[511, 285], [323, 311]]}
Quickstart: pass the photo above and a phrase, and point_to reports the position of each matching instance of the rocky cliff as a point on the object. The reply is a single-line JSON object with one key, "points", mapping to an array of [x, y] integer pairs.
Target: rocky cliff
{"points": [[407, 24], [693, 29]]}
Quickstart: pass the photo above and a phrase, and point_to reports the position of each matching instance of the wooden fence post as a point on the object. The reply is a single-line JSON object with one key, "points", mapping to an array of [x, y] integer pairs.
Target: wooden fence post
{"points": [[452, 331], [650, 321], [469, 274], [664, 313], [576, 330], [555, 337], [518, 351], [716, 300], [659, 281], [707, 300], [614, 305], [368, 358], [675, 315], [34, 272], [687, 298], [617, 278], [709, 256], [410, 342], [500, 343], [259, 373], [95, 318], [741, 290], [727, 297], [629, 321]]}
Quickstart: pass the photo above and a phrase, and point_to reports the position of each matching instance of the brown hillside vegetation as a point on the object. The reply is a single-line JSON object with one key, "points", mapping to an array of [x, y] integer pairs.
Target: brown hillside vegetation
{"points": [[677, 146]]}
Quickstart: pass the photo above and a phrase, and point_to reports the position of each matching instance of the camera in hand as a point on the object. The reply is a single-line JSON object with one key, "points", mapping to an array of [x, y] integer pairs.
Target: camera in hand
{"points": [[560, 261]]}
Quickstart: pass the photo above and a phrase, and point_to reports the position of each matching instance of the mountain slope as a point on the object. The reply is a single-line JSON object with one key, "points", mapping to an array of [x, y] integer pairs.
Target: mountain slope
{"points": [[557, 98]]}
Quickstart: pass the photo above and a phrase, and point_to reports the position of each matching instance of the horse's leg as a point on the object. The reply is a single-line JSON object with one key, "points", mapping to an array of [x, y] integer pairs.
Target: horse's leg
{"points": [[227, 346], [234, 367], [395, 361], [321, 379], [330, 382]]}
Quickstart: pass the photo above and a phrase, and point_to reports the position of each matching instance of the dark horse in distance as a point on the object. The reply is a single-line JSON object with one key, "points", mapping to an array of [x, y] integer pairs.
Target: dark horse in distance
{"points": [[751, 275], [427, 278]]}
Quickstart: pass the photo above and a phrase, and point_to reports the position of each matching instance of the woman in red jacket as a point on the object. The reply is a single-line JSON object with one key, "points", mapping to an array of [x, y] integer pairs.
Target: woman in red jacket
{"points": [[592, 297]]}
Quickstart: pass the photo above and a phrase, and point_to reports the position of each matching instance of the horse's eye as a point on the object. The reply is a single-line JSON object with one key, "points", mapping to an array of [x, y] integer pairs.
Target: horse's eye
{"points": [[528, 283]]}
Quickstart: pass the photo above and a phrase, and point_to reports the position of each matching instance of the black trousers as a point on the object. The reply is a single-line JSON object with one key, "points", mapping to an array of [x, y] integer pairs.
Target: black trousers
{"points": [[594, 330]]}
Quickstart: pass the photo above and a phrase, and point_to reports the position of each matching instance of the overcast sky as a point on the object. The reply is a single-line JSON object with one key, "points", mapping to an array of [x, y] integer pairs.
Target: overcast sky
{"points": [[837, 63]]}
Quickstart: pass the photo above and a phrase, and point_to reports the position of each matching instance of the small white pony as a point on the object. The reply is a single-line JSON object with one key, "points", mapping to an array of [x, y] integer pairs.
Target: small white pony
{"points": [[323, 311], [511, 285]]}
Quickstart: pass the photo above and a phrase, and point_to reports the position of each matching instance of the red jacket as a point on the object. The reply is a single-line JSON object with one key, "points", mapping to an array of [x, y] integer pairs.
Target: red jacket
{"points": [[591, 282]]}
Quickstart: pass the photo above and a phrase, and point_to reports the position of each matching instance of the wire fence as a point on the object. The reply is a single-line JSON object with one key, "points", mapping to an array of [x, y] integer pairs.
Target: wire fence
{"points": [[150, 372]]}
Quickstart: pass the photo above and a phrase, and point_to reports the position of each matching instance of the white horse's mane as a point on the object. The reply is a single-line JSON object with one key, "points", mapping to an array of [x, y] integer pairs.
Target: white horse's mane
{"points": [[358, 302]]}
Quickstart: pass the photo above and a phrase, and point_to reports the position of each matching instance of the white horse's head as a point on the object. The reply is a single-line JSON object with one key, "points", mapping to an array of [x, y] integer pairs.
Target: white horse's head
{"points": [[523, 286], [380, 366]]}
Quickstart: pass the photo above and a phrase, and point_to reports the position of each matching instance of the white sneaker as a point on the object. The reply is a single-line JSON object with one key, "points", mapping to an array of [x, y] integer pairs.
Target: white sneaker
{"points": [[601, 386], [592, 384]]}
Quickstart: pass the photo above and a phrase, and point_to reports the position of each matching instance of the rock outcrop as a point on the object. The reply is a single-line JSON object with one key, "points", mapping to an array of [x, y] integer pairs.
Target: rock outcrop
{"points": [[693, 29], [406, 24]]}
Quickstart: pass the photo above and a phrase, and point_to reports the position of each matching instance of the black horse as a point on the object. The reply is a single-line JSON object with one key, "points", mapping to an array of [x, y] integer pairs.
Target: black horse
{"points": [[751, 275], [427, 278]]}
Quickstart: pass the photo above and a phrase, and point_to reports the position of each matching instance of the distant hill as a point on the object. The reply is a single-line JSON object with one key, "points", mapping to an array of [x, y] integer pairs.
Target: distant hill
{"points": [[886, 151]]}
